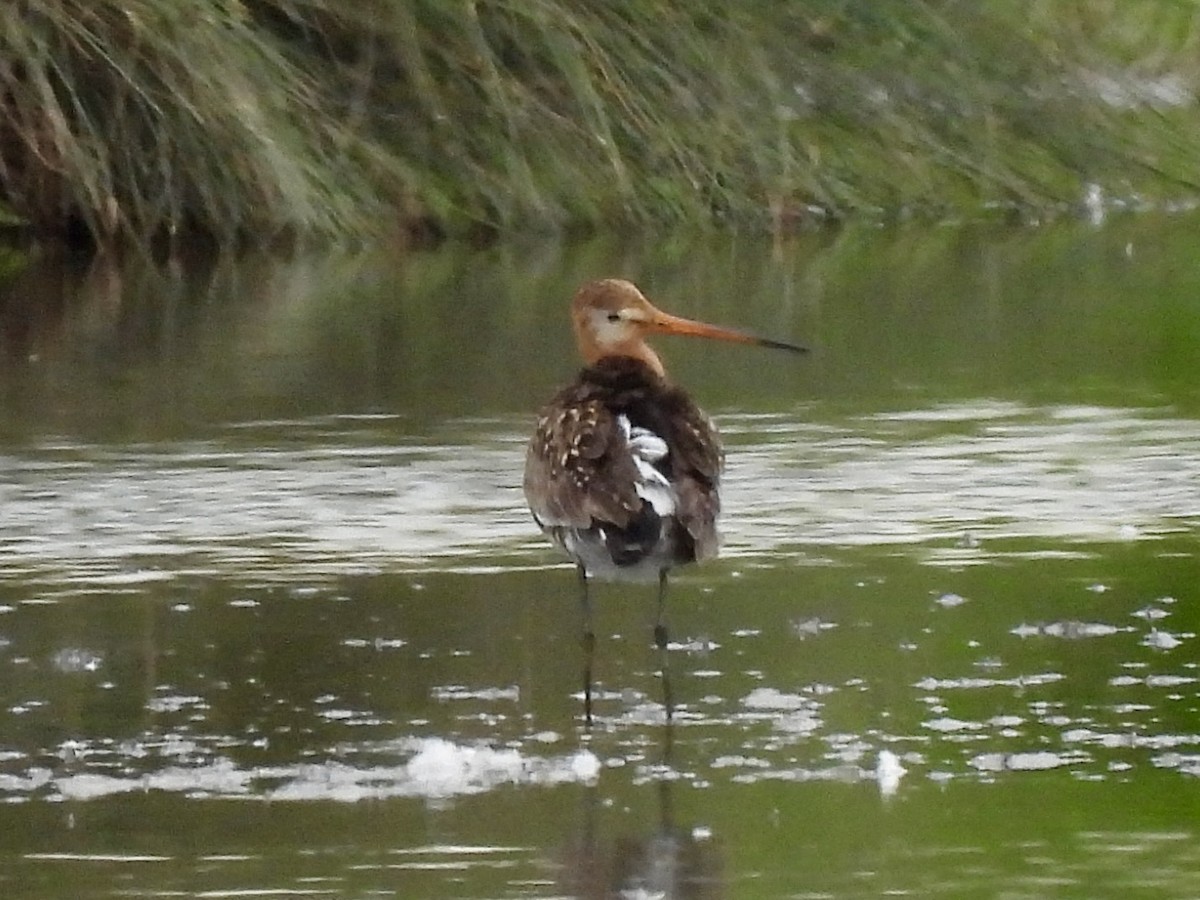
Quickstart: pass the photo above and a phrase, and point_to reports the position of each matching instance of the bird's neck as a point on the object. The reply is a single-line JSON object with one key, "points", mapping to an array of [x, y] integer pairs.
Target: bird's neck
{"points": [[638, 350]]}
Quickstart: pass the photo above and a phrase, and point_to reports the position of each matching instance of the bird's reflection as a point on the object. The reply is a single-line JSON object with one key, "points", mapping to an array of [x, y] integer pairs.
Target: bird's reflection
{"points": [[663, 858]]}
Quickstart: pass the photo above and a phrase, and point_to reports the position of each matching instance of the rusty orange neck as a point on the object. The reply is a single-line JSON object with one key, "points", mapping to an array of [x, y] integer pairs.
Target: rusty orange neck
{"points": [[592, 353]]}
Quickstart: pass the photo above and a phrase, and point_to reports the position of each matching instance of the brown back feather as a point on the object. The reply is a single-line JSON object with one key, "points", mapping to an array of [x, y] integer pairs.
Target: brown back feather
{"points": [[577, 471]]}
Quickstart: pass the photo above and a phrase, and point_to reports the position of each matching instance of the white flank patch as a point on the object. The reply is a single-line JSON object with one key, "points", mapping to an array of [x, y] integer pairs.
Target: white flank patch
{"points": [[647, 448]]}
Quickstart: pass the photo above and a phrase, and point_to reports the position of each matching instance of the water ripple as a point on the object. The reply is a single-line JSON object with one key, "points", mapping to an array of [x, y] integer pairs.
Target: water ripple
{"points": [[950, 481], [955, 477]]}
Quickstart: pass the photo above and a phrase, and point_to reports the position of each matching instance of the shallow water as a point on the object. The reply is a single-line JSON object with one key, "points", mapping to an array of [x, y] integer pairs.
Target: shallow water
{"points": [[275, 622]]}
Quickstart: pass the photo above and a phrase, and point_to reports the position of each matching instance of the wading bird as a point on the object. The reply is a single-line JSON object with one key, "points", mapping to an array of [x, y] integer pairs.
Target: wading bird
{"points": [[622, 471]]}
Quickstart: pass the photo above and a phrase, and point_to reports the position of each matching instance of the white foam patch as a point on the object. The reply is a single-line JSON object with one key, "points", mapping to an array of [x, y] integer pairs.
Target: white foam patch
{"points": [[788, 713], [888, 772], [439, 769], [431, 768], [770, 698], [1033, 761]]}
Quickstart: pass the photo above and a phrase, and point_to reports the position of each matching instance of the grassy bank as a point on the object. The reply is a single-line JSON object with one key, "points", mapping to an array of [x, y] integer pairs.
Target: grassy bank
{"points": [[254, 119]]}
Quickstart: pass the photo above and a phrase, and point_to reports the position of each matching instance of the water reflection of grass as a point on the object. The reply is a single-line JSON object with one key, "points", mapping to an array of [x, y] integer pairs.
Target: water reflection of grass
{"points": [[272, 117]]}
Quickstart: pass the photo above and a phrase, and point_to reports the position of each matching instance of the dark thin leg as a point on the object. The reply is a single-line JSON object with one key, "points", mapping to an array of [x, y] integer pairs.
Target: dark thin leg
{"points": [[660, 628], [661, 641], [589, 643]]}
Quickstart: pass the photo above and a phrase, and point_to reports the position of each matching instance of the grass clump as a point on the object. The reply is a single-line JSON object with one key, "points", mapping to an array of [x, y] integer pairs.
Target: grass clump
{"points": [[689, 111], [255, 117], [134, 118]]}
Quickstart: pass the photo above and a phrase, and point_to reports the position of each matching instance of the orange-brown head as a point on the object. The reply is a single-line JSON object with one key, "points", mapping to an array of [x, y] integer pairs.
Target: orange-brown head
{"points": [[612, 317]]}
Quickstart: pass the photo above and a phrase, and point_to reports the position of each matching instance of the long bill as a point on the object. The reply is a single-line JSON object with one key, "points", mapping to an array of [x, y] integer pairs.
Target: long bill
{"points": [[665, 323]]}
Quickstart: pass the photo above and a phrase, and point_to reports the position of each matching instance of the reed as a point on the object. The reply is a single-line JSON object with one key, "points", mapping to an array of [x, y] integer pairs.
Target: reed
{"points": [[131, 119], [137, 118]]}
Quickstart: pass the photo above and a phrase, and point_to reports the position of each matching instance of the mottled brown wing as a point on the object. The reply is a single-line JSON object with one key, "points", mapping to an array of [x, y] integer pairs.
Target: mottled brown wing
{"points": [[695, 441], [698, 462], [578, 469]]}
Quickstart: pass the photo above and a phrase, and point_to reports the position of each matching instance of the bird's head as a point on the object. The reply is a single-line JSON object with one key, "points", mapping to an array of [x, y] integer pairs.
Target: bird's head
{"points": [[611, 317]]}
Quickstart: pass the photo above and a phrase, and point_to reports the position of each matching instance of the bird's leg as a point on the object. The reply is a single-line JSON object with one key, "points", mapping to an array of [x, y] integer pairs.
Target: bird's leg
{"points": [[585, 605], [661, 641], [660, 628], [589, 643]]}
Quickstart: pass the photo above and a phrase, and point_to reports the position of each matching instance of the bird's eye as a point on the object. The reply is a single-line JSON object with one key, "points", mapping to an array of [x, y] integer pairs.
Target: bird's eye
{"points": [[614, 317]]}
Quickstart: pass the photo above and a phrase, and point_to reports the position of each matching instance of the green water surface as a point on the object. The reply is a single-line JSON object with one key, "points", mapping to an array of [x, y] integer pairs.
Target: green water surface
{"points": [[275, 622]]}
